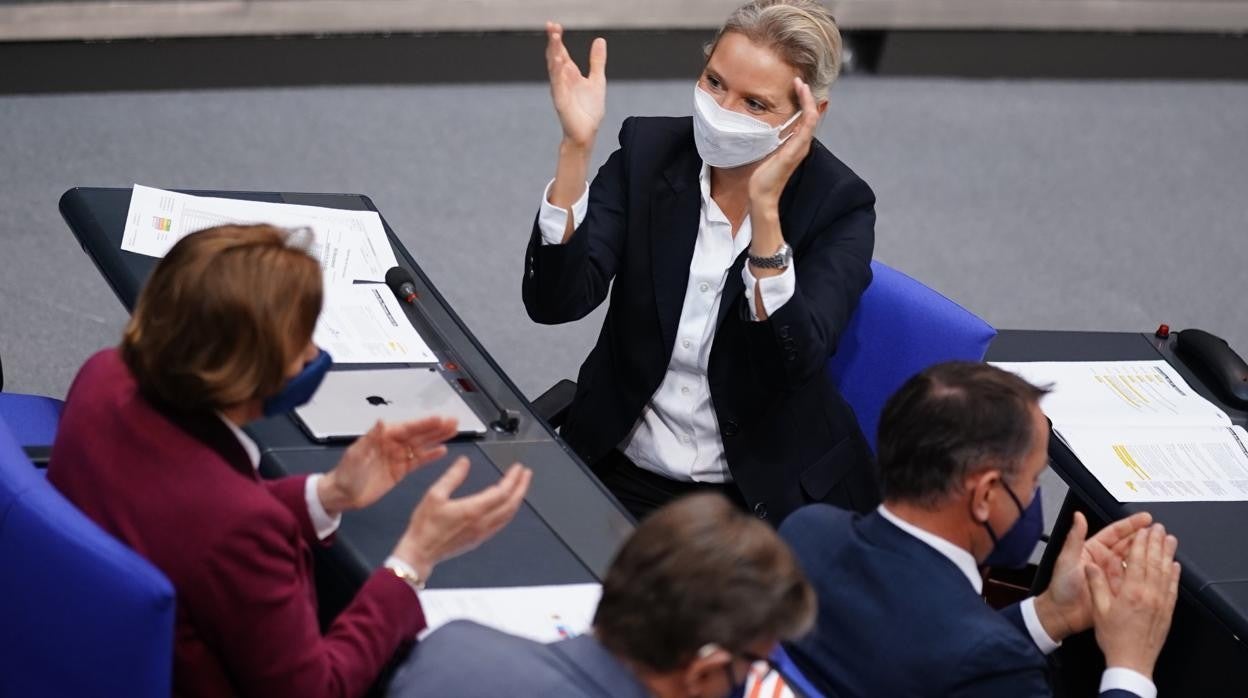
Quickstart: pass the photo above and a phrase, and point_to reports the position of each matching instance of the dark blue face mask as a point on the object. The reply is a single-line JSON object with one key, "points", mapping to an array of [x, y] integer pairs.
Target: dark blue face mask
{"points": [[301, 388], [1015, 547]]}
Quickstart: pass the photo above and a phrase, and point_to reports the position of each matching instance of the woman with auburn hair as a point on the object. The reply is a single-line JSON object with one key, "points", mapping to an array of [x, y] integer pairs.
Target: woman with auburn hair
{"points": [[151, 448], [734, 247]]}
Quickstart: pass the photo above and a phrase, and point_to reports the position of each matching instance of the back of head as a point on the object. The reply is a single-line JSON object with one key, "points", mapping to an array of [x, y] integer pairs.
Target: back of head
{"points": [[696, 572], [949, 421], [222, 315], [802, 32]]}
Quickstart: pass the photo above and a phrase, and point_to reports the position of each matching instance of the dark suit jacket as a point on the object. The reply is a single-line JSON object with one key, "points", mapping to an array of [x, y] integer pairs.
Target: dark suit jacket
{"points": [[180, 490], [897, 618], [472, 661], [789, 437]]}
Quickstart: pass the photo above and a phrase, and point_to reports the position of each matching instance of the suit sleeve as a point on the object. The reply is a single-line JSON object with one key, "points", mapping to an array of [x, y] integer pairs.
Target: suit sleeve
{"points": [[290, 492], [832, 273], [566, 282], [1003, 666], [255, 607]]}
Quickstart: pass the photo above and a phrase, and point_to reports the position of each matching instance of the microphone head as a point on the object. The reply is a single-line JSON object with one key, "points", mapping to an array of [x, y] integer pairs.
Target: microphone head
{"points": [[396, 277]]}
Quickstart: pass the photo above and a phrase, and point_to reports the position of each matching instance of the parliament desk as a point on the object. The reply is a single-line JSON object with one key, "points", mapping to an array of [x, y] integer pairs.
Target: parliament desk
{"points": [[1204, 655], [569, 527]]}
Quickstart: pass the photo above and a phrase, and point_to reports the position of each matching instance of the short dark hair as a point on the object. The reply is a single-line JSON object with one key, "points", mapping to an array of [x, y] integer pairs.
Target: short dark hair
{"points": [[700, 571], [949, 420], [221, 317]]}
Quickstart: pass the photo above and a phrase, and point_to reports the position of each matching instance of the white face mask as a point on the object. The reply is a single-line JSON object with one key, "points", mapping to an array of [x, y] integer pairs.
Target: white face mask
{"points": [[726, 138]]}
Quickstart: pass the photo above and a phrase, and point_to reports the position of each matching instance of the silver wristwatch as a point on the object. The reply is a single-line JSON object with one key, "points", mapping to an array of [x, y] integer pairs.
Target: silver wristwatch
{"points": [[781, 259]]}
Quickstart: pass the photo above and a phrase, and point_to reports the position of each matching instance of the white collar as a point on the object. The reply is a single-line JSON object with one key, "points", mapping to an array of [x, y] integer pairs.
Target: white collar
{"points": [[958, 556], [253, 451]]}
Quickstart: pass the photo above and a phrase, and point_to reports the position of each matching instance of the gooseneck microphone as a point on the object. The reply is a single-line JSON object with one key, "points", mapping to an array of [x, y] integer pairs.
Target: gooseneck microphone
{"points": [[404, 287], [400, 281]]}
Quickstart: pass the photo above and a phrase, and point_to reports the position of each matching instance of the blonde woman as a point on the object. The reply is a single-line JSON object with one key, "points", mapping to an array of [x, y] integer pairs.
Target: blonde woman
{"points": [[735, 246]]}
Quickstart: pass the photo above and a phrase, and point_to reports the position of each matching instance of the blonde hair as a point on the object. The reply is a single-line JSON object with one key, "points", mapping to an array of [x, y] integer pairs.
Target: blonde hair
{"points": [[222, 316], [802, 32]]}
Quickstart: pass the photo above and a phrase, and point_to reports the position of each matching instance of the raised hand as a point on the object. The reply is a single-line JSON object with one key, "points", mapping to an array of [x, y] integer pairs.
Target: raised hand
{"points": [[580, 101], [442, 527], [378, 460], [1132, 623], [774, 171]]}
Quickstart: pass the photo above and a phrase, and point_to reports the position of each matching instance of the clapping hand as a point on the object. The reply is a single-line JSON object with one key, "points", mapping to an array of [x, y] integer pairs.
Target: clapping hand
{"points": [[379, 459], [1132, 622], [1065, 607], [580, 100], [442, 527], [768, 180]]}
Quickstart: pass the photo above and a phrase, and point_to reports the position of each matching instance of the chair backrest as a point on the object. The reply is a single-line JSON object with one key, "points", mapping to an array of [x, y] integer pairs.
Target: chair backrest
{"points": [[80, 613], [32, 419], [900, 328]]}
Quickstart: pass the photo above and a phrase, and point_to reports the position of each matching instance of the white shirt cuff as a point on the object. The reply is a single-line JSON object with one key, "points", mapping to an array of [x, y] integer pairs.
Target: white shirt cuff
{"points": [[395, 562], [776, 290], [1045, 643], [552, 221], [1118, 678], [324, 524]]}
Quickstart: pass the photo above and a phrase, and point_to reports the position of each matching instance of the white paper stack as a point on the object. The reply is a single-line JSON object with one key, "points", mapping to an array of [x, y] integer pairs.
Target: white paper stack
{"points": [[541, 613], [359, 323], [1142, 431]]}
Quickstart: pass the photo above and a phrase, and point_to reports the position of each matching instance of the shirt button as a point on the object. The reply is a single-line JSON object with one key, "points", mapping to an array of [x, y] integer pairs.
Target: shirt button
{"points": [[760, 510], [684, 390], [704, 287], [686, 344]]}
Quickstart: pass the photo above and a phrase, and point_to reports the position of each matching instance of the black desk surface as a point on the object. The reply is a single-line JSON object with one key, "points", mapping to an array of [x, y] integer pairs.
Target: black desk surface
{"points": [[569, 527], [1215, 562]]}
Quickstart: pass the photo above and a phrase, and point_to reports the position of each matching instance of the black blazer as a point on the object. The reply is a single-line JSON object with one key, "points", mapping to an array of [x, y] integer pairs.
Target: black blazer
{"points": [[897, 618], [789, 437]]}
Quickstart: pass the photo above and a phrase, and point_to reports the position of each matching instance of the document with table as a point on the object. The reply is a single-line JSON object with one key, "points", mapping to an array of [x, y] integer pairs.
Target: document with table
{"points": [[1142, 431], [360, 322]]}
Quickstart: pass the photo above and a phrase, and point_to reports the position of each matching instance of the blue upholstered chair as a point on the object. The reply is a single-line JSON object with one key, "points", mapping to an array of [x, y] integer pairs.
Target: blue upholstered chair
{"points": [[80, 613], [900, 328], [32, 419]]}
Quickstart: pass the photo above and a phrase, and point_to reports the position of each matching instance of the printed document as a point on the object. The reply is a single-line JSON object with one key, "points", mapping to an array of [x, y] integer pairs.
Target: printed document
{"points": [[1141, 430], [350, 245], [1176, 464], [541, 613], [364, 324]]}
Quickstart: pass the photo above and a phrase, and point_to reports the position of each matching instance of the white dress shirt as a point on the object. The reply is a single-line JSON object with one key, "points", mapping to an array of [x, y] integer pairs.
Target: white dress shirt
{"points": [[1113, 678], [322, 522], [677, 435]]}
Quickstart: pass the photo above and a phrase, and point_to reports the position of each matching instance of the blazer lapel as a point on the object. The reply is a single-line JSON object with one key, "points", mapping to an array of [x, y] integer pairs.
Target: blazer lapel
{"points": [[675, 214], [734, 289]]}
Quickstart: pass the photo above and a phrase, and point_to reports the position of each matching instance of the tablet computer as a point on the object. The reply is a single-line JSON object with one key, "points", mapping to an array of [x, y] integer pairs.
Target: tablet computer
{"points": [[349, 402]]}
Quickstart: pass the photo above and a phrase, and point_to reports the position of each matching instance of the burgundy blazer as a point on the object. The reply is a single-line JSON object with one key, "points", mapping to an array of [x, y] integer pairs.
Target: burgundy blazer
{"points": [[180, 490]]}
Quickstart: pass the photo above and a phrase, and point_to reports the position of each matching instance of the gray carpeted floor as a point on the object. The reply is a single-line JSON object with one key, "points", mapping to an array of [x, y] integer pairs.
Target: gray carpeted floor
{"points": [[1035, 204]]}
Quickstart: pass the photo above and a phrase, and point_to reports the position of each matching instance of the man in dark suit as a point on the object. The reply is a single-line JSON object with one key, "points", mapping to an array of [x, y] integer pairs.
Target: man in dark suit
{"points": [[696, 596], [962, 447]]}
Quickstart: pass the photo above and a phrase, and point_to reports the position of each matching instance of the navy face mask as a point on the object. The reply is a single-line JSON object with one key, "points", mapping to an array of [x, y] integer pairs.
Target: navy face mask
{"points": [[301, 388], [1014, 549]]}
